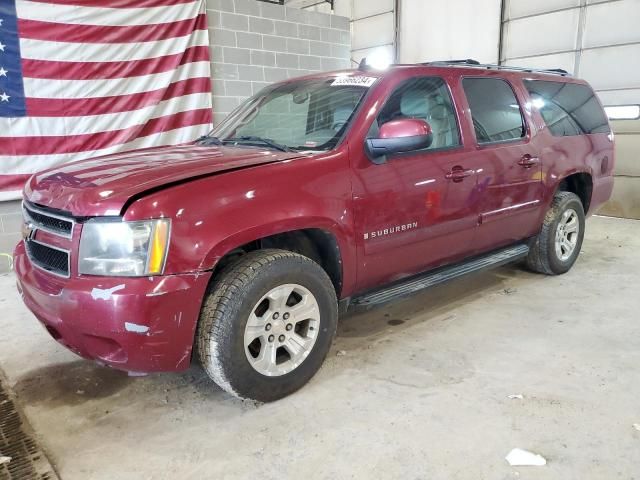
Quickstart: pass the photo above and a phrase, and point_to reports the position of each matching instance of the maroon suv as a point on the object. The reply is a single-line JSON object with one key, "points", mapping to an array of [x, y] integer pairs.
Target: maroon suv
{"points": [[356, 187]]}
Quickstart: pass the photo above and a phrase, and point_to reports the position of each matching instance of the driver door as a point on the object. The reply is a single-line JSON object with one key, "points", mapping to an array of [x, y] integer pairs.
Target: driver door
{"points": [[418, 209]]}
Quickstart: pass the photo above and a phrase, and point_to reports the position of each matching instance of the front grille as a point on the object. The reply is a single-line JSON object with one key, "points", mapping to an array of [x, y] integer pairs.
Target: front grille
{"points": [[45, 221], [48, 258]]}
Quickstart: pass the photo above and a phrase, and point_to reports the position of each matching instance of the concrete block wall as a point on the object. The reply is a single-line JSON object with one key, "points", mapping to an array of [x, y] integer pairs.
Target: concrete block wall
{"points": [[256, 43], [10, 226]]}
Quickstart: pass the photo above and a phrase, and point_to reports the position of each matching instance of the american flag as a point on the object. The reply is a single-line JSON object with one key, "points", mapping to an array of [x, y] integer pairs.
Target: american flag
{"points": [[84, 78]]}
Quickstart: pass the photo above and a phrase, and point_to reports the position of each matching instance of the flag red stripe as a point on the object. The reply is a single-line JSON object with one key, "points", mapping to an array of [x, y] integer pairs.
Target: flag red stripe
{"points": [[77, 107], [106, 70], [96, 141], [74, 33], [117, 3], [11, 183]]}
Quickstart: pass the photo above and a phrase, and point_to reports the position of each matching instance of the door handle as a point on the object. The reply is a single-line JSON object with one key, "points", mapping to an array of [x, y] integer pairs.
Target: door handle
{"points": [[527, 161], [458, 174]]}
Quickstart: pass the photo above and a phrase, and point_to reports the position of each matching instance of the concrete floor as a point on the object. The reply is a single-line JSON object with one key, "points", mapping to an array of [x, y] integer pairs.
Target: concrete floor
{"points": [[422, 391]]}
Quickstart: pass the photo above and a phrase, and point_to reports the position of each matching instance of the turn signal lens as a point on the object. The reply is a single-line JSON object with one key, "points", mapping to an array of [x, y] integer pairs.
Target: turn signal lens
{"points": [[158, 250]]}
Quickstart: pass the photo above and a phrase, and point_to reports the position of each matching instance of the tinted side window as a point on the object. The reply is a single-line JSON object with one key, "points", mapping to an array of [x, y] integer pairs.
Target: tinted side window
{"points": [[427, 99], [567, 108], [495, 111]]}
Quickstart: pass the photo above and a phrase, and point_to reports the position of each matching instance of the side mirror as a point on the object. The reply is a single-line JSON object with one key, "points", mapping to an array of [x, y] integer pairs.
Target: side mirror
{"points": [[398, 136]]}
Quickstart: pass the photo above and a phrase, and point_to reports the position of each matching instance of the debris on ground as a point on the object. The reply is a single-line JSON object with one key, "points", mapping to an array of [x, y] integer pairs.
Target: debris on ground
{"points": [[636, 426], [4, 460], [80, 392], [522, 458], [514, 397], [341, 353], [509, 291]]}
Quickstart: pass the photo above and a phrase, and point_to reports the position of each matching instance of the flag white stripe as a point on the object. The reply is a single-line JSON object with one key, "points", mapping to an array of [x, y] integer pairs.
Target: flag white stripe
{"points": [[78, 15], [68, 89], [12, 165], [69, 126], [109, 52]]}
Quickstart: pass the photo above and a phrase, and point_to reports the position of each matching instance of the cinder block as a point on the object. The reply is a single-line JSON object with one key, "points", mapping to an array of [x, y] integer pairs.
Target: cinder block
{"points": [[218, 87], [226, 5], [250, 72], [287, 29], [258, 86], [341, 23], [309, 63], [319, 19], [11, 206], [222, 37], [293, 73], [240, 56], [321, 49], [309, 32], [267, 59], [8, 242], [235, 88], [330, 35], [224, 71], [11, 222], [213, 18], [247, 7], [249, 40], [275, 74], [232, 21], [215, 53], [274, 43], [297, 15], [345, 38], [262, 25], [276, 12], [225, 104], [287, 60], [300, 46]]}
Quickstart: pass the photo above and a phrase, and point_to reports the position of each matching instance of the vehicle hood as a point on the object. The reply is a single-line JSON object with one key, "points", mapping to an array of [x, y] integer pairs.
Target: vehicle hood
{"points": [[102, 186]]}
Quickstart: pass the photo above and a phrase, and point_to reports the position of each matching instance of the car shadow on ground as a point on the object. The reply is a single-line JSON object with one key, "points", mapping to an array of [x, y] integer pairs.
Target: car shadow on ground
{"points": [[77, 382]]}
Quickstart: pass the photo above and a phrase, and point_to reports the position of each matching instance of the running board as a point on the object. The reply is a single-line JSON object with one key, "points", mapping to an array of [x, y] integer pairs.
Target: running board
{"points": [[440, 275]]}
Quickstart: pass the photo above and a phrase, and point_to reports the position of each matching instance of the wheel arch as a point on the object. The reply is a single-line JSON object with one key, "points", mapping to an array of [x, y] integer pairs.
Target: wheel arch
{"points": [[579, 183], [322, 242]]}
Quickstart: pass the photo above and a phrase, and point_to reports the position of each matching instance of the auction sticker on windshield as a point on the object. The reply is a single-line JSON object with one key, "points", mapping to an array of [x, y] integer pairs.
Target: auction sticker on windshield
{"points": [[358, 81]]}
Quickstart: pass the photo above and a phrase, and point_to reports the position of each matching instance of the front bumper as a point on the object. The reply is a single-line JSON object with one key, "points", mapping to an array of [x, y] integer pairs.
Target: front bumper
{"points": [[134, 324]]}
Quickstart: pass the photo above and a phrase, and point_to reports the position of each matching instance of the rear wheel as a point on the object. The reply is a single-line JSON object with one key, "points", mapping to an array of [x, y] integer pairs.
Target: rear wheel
{"points": [[267, 324], [557, 246]]}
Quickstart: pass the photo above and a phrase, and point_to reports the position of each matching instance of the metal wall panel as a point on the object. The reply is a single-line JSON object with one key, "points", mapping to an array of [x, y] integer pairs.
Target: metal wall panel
{"points": [[542, 34], [612, 67], [612, 23], [565, 61], [525, 8], [437, 30], [368, 8]]}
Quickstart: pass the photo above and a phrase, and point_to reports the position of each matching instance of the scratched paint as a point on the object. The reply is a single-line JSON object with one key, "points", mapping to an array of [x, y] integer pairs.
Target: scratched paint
{"points": [[135, 328], [105, 293]]}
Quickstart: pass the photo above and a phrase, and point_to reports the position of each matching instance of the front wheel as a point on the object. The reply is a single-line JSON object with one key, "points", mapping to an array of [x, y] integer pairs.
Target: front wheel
{"points": [[267, 324], [557, 246]]}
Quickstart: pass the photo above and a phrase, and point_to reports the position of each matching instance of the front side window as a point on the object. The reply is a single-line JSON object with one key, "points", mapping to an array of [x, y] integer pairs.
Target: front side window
{"points": [[567, 108], [426, 99], [495, 110], [300, 115]]}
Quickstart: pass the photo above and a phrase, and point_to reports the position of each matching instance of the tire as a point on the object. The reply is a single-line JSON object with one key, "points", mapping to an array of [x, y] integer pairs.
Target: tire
{"points": [[544, 256], [237, 298]]}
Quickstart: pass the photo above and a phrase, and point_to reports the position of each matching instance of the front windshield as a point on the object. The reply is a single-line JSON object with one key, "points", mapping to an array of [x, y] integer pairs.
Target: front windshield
{"points": [[301, 115]]}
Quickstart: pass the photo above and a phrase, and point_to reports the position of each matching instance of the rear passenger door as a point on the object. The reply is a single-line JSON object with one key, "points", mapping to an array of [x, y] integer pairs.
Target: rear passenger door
{"points": [[509, 178]]}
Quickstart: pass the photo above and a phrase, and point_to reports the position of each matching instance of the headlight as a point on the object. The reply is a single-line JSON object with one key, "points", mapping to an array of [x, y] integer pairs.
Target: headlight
{"points": [[129, 249]]}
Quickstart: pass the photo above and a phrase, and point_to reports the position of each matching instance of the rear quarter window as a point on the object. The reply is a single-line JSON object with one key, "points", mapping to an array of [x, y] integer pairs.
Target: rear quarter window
{"points": [[567, 108]]}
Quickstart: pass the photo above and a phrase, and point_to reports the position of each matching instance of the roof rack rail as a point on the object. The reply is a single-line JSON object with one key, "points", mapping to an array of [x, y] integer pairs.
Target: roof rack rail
{"points": [[489, 66]]}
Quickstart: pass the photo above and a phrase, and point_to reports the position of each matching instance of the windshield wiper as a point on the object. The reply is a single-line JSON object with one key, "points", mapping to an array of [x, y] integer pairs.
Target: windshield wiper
{"points": [[256, 139], [207, 140]]}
